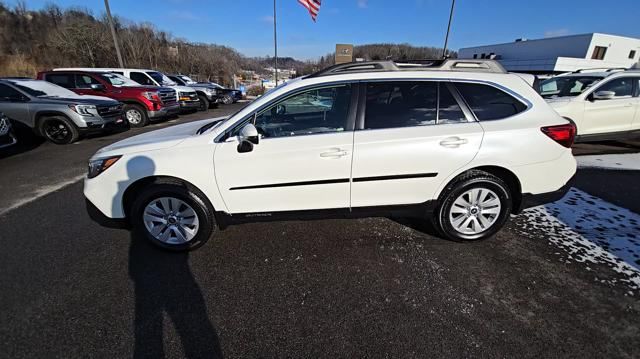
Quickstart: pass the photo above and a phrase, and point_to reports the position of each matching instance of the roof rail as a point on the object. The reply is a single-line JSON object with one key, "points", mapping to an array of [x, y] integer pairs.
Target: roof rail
{"points": [[606, 69], [465, 65]]}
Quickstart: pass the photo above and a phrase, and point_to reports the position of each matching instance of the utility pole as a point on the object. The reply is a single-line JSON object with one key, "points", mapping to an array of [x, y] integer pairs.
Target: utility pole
{"points": [[275, 40], [113, 33], [446, 39]]}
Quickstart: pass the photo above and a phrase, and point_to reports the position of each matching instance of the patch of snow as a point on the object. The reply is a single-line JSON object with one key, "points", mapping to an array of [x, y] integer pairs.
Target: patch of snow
{"points": [[591, 230], [627, 161]]}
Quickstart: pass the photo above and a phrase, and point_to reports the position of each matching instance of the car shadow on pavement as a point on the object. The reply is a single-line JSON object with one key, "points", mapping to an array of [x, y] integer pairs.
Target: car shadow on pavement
{"points": [[417, 224], [164, 284], [27, 141]]}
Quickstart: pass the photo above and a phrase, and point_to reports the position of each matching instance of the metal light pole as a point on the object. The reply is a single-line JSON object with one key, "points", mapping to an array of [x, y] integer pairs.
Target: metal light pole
{"points": [[113, 33], [275, 40], [446, 39]]}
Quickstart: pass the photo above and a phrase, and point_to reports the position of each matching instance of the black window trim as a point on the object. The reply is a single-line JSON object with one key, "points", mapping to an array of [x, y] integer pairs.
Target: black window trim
{"points": [[355, 95]]}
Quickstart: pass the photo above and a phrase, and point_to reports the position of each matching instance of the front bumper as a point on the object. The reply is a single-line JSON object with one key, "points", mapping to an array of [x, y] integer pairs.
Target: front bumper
{"points": [[189, 105], [113, 124], [532, 200], [97, 216], [165, 111]]}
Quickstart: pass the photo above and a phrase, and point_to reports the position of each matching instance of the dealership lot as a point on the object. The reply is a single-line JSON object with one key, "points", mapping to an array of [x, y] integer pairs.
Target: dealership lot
{"points": [[562, 280]]}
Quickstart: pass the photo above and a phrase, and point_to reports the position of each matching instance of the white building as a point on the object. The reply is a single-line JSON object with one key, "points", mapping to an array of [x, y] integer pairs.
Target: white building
{"points": [[561, 54]]}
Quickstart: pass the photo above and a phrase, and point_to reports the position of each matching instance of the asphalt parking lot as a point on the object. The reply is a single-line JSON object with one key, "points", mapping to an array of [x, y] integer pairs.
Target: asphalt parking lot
{"points": [[560, 281]]}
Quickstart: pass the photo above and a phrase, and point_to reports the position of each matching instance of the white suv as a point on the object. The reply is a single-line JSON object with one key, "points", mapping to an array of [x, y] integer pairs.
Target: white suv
{"points": [[602, 105], [459, 143]]}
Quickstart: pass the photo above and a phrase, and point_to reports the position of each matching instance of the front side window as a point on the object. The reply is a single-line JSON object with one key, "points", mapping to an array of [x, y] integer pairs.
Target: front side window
{"points": [[324, 110], [489, 103], [142, 79], [85, 81], [566, 86], [9, 94], [64, 80], [622, 87], [409, 104]]}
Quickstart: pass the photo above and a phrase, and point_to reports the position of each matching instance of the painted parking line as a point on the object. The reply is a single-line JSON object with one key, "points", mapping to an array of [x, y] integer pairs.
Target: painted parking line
{"points": [[39, 193], [591, 230]]}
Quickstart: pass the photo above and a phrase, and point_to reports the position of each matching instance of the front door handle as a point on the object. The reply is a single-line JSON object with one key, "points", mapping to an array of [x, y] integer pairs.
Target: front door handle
{"points": [[333, 153], [453, 142]]}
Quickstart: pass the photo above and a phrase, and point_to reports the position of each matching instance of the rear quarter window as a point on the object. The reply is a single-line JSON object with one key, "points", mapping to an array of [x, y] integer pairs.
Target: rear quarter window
{"points": [[489, 103]]}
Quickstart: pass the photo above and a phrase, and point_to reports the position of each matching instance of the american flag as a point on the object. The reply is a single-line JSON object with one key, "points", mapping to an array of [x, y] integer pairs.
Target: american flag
{"points": [[313, 6]]}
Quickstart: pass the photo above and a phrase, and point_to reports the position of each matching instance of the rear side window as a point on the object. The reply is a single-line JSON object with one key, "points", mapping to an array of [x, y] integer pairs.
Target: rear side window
{"points": [[409, 104], [8, 94], [64, 80], [489, 103]]}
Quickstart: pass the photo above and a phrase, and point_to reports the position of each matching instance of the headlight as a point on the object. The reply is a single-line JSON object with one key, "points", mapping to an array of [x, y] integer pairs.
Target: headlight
{"points": [[151, 96], [83, 110], [210, 91], [100, 165]]}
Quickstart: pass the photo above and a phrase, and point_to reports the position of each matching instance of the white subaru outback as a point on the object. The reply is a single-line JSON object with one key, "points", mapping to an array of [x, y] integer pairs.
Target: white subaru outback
{"points": [[459, 143]]}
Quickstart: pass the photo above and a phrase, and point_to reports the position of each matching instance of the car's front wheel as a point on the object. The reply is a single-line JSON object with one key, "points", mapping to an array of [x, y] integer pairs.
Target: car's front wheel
{"points": [[173, 217], [59, 130], [204, 103], [135, 115], [473, 207]]}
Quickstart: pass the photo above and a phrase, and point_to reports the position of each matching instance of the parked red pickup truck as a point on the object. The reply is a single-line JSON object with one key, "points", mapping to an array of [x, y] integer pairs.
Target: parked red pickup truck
{"points": [[141, 103]]}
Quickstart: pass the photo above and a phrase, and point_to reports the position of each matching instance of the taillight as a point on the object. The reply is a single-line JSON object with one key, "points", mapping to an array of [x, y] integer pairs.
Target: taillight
{"points": [[563, 134]]}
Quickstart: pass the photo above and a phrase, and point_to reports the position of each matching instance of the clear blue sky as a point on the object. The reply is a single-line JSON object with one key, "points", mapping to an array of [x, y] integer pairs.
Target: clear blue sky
{"points": [[247, 24]]}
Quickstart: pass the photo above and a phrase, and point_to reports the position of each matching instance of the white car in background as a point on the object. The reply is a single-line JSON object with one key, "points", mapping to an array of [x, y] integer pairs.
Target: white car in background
{"points": [[603, 105], [458, 143]]}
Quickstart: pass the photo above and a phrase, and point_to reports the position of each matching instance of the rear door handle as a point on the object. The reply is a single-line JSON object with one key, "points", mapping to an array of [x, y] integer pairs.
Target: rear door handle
{"points": [[334, 153], [453, 142]]}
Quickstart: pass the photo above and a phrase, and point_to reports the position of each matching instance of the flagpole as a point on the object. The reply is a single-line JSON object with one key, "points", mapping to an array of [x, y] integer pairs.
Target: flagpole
{"points": [[446, 39], [275, 40]]}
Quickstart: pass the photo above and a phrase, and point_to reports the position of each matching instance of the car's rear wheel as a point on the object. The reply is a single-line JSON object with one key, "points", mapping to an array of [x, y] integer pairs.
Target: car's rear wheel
{"points": [[135, 115], [173, 217], [204, 103], [59, 130], [473, 207]]}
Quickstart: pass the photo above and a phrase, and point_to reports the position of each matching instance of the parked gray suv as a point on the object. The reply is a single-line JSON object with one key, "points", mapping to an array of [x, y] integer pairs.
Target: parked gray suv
{"points": [[56, 113]]}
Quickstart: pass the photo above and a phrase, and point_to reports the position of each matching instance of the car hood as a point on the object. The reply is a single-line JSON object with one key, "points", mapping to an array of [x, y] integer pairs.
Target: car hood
{"points": [[154, 140], [183, 88]]}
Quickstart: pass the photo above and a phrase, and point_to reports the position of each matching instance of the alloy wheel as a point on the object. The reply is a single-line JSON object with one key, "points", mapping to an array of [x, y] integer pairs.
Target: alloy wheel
{"points": [[170, 220], [475, 211], [57, 131], [134, 116]]}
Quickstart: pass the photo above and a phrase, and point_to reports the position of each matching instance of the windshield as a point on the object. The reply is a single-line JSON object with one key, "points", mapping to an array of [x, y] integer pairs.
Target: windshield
{"points": [[566, 86], [118, 80], [43, 89], [161, 78], [186, 79]]}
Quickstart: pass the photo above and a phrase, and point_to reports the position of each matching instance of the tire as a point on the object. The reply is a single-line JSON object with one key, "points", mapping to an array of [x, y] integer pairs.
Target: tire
{"points": [[175, 224], [204, 103], [135, 115], [59, 130], [227, 100], [459, 217]]}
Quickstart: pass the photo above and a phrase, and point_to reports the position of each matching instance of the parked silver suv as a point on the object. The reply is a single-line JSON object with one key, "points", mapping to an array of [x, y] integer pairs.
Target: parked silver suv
{"points": [[56, 113]]}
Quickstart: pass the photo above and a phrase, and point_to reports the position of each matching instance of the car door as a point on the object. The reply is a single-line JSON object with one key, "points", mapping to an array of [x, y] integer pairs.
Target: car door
{"points": [[410, 136], [302, 160], [610, 115], [14, 104]]}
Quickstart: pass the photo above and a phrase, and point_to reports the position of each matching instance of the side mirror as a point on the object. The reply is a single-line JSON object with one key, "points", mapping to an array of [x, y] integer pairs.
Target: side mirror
{"points": [[97, 87], [248, 137], [604, 95]]}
